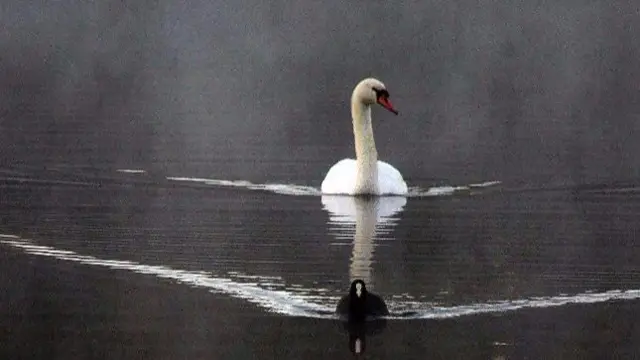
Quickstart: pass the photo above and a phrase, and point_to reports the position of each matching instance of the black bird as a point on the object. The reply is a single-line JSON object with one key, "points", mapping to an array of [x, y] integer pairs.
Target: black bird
{"points": [[361, 304]]}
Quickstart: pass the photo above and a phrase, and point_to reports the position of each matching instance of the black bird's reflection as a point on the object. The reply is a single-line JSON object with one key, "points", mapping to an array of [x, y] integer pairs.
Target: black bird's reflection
{"points": [[358, 333]]}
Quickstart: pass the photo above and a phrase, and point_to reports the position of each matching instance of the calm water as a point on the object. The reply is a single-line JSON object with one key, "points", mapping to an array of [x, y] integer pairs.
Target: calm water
{"points": [[124, 264]]}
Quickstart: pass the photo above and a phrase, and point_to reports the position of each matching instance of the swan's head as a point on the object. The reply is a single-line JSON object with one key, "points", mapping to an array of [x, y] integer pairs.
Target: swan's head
{"points": [[371, 91]]}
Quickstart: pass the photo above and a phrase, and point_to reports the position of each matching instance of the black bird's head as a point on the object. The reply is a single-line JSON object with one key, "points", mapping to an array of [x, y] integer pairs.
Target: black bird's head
{"points": [[358, 289]]}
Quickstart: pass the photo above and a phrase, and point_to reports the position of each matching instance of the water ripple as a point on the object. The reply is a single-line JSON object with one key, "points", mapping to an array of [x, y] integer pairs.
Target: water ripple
{"points": [[296, 300], [302, 190]]}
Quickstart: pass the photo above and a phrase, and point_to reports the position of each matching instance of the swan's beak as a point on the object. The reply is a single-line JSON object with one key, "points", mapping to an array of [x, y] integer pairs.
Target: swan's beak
{"points": [[384, 101]]}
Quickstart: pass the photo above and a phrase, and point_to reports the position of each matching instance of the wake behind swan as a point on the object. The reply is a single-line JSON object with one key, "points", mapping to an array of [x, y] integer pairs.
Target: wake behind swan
{"points": [[302, 190]]}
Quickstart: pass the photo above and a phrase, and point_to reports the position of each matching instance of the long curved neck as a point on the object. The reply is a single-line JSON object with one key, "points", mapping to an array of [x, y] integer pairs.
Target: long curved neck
{"points": [[366, 154]]}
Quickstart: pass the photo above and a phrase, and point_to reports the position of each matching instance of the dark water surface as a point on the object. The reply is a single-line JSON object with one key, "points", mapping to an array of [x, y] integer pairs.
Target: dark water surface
{"points": [[128, 265]]}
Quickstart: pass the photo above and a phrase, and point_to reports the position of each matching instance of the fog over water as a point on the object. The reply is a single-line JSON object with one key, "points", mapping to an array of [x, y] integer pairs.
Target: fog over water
{"points": [[534, 92]]}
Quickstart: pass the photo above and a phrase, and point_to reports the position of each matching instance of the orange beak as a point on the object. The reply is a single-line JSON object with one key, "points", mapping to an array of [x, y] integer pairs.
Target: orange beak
{"points": [[384, 101]]}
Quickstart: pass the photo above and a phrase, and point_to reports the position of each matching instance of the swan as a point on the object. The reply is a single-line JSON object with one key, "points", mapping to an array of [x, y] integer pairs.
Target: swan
{"points": [[365, 175]]}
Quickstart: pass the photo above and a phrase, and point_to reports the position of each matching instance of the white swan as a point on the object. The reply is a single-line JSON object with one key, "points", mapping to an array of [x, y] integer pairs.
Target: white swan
{"points": [[365, 175]]}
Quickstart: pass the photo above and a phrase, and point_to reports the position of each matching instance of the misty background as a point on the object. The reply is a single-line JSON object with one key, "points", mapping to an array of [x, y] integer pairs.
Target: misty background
{"points": [[528, 92]]}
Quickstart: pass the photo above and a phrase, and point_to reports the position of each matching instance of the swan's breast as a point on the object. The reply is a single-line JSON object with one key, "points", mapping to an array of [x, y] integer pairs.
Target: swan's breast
{"points": [[390, 180], [341, 179]]}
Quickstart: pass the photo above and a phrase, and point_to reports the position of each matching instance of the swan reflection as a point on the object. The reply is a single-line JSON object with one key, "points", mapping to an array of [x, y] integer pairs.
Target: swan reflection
{"points": [[371, 216]]}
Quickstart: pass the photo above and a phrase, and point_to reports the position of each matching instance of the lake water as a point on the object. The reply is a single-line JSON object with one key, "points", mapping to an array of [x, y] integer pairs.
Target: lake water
{"points": [[125, 264]]}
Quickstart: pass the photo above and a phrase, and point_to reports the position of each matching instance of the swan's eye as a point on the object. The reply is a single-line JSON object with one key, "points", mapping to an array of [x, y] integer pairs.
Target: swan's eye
{"points": [[381, 93]]}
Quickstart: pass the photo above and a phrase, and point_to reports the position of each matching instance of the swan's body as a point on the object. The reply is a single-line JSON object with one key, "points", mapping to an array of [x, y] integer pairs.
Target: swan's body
{"points": [[341, 179], [365, 175]]}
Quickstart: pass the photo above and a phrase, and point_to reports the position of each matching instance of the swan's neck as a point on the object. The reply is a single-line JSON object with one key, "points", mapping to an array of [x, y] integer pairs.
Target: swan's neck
{"points": [[366, 154]]}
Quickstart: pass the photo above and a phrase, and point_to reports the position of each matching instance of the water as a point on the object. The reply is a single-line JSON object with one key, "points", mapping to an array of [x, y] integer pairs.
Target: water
{"points": [[126, 263]]}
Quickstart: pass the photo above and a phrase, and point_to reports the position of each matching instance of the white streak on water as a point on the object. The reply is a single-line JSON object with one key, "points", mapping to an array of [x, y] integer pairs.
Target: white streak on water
{"points": [[283, 302], [418, 311], [316, 303], [132, 171], [285, 189], [302, 190]]}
